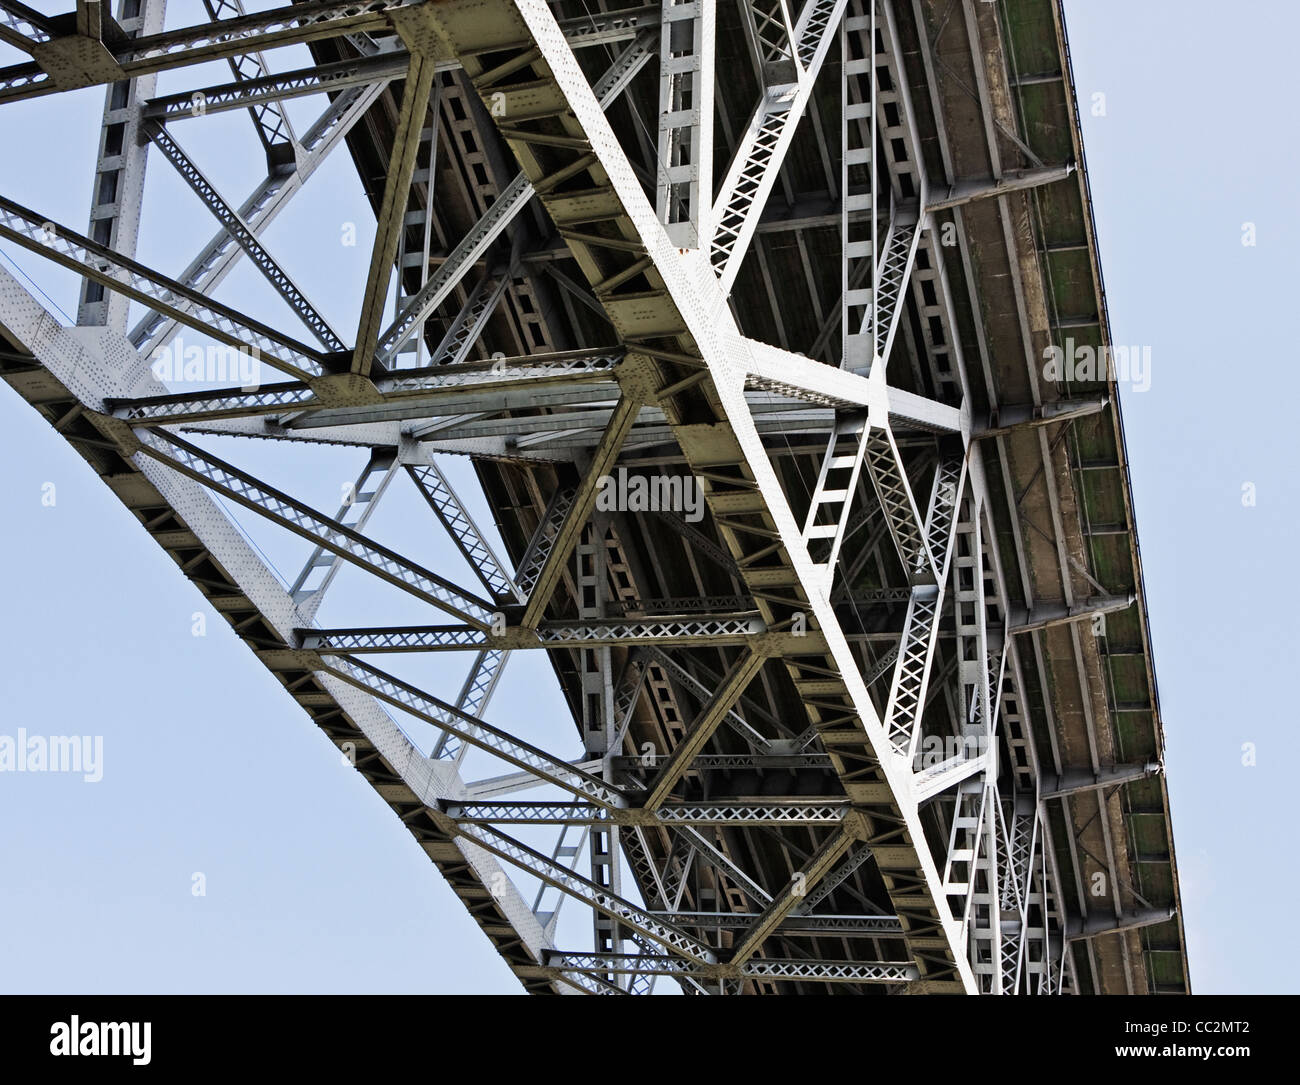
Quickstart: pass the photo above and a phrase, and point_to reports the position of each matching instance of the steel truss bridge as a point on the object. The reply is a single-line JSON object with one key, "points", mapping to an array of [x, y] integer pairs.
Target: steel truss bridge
{"points": [[884, 719]]}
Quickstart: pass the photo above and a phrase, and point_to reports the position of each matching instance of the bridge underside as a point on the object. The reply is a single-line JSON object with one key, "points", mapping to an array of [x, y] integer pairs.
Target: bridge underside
{"points": [[877, 712]]}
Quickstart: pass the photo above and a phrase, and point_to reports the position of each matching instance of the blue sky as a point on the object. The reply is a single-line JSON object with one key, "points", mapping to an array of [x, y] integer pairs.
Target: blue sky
{"points": [[1192, 146], [311, 883]]}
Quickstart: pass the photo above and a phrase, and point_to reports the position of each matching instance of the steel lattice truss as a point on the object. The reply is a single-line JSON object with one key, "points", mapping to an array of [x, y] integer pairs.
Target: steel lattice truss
{"points": [[755, 802]]}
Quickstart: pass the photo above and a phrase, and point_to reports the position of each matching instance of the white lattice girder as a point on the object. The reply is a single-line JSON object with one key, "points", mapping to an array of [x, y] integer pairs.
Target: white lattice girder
{"points": [[700, 305], [757, 161]]}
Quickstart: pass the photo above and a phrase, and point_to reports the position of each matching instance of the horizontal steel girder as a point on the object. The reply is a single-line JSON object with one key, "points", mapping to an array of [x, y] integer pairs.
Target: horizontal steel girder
{"points": [[710, 631], [415, 393], [601, 28], [887, 972], [62, 63], [863, 926], [792, 812]]}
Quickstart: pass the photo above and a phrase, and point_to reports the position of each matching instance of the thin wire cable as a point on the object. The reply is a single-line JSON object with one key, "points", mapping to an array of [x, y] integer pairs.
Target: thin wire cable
{"points": [[37, 288]]}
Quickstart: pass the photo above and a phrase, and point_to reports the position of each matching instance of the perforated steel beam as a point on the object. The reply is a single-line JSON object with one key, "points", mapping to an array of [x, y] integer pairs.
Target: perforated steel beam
{"points": [[710, 717], [117, 194], [684, 185], [801, 812]]}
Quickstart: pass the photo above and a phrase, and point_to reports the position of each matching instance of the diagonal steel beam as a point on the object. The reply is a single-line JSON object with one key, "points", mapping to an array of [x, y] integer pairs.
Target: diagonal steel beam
{"points": [[467, 326], [274, 128], [421, 305], [769, 31], [889, 477], [719, 860], [305, 521], [756, 741], [757, 161], [465, 533], [309, 587], [467, 728], [392, 209], [218, 257], [907, 691], [706, 721], [893, 273], [239, 230], [126, 276], [784, 904], [575, 885], [480, 684], [584, 501]]}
